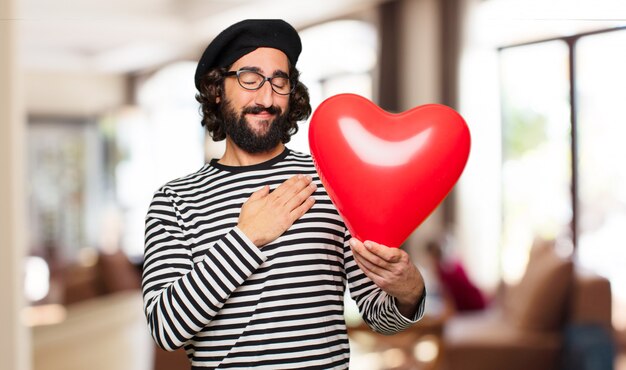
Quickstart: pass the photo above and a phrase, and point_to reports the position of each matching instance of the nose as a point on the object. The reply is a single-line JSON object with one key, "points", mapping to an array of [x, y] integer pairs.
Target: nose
{"points": [[265, 95]]}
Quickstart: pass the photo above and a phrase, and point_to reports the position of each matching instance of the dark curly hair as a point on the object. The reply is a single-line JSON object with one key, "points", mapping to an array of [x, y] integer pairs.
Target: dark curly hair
{"points": [[211, 87]]}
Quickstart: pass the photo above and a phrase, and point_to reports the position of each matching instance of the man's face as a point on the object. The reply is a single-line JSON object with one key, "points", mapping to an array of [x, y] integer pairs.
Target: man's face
{"points": [[242, 133], [252, 118]]}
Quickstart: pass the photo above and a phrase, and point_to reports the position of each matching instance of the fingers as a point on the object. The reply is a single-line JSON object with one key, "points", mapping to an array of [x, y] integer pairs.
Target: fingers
{"points": [[300, 197], [301, 201], [377, 274], [288, 189], [400, 279], [295, 195], [302, 209], [374, 272], [390, 255], [377, 254], [259, 194], [268, 214]]}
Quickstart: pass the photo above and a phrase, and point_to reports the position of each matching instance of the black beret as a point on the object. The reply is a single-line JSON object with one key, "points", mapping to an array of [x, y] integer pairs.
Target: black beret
{"points": [[246, 36]]}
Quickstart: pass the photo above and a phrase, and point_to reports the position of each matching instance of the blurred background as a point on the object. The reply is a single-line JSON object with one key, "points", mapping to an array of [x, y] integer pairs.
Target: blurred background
{"points": [[97, 111]]}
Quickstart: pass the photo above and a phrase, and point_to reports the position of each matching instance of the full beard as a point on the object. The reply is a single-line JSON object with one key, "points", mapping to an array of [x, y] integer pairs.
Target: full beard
{"points": [[241, 133]]}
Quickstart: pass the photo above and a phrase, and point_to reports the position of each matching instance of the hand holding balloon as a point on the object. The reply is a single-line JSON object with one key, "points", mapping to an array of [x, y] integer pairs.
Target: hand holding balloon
{"points": [[392, 271]]}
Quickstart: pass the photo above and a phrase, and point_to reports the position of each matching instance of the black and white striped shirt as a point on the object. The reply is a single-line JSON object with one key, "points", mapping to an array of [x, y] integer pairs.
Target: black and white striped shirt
{"points": [[208, 288]]}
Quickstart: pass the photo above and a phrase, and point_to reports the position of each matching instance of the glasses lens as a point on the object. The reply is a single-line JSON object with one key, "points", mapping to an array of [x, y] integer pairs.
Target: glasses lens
{"points": [[281, 85], [250, 80]]}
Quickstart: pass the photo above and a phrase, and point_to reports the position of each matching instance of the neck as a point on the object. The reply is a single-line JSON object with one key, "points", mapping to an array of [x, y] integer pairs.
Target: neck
{"points": [[235, 156]]}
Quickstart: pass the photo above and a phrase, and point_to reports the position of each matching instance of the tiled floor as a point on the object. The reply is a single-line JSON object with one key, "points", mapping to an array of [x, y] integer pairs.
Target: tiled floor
{"points": [[102, 334], [111, 334]]}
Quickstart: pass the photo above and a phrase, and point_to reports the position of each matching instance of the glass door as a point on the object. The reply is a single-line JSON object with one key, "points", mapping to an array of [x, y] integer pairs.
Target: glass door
{"points": [[601, 96], [536, 168]]}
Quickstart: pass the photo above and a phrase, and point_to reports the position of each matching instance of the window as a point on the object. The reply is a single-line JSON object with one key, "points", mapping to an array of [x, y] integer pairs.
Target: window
{"points": [[337, 57], [563, 129], [66, 186], [601, 130], [536, 157], [158, 140]]}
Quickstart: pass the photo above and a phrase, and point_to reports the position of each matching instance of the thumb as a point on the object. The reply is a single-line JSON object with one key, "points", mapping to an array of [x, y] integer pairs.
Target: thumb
{"points": [[261, 193]]}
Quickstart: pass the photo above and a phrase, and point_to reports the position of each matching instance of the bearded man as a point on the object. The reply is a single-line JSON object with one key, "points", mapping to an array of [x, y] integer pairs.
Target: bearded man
{"points": [[247, 260]]}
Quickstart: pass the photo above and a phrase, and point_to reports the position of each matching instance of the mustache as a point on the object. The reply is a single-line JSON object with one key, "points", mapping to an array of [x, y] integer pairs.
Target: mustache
{"points": [[258, 109]]}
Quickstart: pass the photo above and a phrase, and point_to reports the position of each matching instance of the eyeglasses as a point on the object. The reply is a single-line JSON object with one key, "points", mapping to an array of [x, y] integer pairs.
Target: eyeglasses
{"points": [[251, 80]]}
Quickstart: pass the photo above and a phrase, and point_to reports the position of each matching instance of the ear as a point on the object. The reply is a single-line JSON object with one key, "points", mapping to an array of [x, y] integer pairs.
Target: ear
{"points": [[217, 100]]}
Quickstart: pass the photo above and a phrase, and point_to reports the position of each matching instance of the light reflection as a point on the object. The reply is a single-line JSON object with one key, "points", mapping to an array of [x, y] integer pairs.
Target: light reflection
{"points": [[373, 150], [427, 349], [37, 280]]}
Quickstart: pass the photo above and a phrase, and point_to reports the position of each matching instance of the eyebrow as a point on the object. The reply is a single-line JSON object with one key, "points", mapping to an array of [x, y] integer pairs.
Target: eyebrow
{"points": [[277, 72]]}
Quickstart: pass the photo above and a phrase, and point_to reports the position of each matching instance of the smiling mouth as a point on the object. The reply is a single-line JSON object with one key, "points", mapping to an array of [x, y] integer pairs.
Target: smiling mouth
{"points": [[260, 118], [261, 114], [271, 110], [260, 123]]}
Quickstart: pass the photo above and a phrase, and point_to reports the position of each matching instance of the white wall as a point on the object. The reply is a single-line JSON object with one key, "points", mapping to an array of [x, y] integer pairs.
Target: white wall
{"points": [[479, 204], [39, 93], [419, 47], [420, 82], [72, 93], [14, 338]]}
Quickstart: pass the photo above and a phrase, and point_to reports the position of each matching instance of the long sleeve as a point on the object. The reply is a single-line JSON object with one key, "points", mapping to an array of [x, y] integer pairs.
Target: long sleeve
{"points": [[182, 296], [378, 309], [232, 305]]}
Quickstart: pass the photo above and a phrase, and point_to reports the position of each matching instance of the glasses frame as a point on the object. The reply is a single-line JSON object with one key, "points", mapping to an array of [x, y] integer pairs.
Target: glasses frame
{"points": [[264, 79]]}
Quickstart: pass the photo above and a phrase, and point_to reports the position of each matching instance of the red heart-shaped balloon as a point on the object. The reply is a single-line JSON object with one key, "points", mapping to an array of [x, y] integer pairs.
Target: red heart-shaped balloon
{"points": [[386, 172]]}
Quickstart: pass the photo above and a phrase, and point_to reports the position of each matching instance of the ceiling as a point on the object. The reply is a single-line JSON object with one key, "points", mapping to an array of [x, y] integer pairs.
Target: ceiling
{"points": [[122, 36], [125, 36]]}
